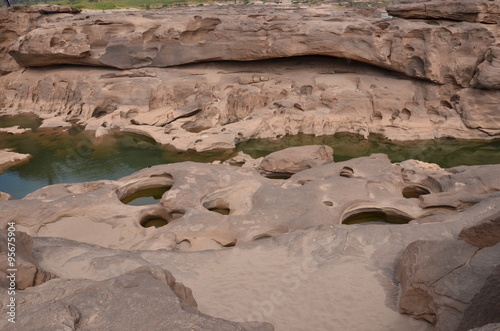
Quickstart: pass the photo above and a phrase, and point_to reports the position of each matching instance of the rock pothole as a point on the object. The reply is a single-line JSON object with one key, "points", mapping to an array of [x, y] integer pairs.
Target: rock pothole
{"points": [[153, 221], [220, 206], [376, 216], [145, 191], [414, 191]]}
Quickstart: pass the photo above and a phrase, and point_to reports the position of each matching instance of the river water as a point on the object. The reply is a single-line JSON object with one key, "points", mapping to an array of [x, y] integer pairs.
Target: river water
{"points": [[73, 155]]}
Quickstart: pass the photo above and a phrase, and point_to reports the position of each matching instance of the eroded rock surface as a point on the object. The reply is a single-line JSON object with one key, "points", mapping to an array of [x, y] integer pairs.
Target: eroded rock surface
{"points": [[451, 284], [229, 206], [484, 11], [317, 70], [292, 160], [288, 241], [28, 272], [147, 297], [9, 159]]}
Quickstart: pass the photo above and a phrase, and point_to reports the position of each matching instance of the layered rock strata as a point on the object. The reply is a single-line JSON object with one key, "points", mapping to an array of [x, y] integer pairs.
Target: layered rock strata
{"points": [[135, 72]]}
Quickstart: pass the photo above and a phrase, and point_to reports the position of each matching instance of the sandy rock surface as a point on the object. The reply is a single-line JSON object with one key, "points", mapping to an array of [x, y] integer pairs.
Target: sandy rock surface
{"points": [[262, 249]]}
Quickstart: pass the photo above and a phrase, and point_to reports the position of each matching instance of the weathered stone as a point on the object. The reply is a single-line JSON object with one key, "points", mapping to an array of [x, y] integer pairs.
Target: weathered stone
{"points": [[485, 307], [488, 327], [145, 298], [244, 160], [27, 271], [215, 105], [484, 11], [450, 283], [483, 234], [9, 159], [378, 103], [15, 130], [480, 109], [16, 21], [174, 37], [5, 196], [285, 163], [488, 72]]}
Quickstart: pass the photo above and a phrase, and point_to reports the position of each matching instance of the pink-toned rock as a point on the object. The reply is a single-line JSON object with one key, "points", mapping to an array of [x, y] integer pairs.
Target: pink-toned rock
{"points": [[9, 159], [285, 163], [484, 11], [488, 72], [28, 272], [174, 37]]}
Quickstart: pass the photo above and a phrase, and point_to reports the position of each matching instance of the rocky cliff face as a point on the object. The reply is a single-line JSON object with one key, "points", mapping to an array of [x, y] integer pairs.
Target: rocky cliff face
{"points": [[312, 70]]}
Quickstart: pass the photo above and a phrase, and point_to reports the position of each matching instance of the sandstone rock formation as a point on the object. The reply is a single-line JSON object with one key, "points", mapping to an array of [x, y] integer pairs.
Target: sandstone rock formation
{"points": [[9, 159], [488, 72], [312, 217], [289, 161], [28, 273], [164, 39], [298, 253], [144, 298], [484, 11], [19, 20], [484, 234], [229, 206], [5, 196], [450, 283], [390, 76]]}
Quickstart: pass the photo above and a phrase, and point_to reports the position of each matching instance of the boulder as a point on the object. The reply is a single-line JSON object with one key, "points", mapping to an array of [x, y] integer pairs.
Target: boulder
{"points": [[286, 162], [28, 272], [5, 196], [483, 234], [450, 283]]}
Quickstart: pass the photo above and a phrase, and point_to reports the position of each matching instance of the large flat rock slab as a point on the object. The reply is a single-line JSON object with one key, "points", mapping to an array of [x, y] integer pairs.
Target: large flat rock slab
{"points": [[174, 37]]}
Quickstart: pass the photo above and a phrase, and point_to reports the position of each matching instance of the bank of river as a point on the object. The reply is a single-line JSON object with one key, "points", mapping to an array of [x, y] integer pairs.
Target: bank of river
{"points": [[72, 155]]}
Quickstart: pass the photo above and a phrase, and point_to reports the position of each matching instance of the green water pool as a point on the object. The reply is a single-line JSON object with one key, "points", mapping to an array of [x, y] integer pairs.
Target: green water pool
{"points": [[72, 155]]}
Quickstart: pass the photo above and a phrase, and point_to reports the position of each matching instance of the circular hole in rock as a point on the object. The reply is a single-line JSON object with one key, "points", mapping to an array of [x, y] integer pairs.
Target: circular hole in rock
{"points": [[155, 221], [414, 191], [145, 197], [183, 245], [376, 216], [218, 206], [347, 172]]}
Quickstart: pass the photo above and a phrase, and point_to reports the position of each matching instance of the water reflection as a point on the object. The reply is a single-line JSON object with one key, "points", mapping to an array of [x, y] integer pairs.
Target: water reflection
{"points": [[447, 152], [72, 155]]}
